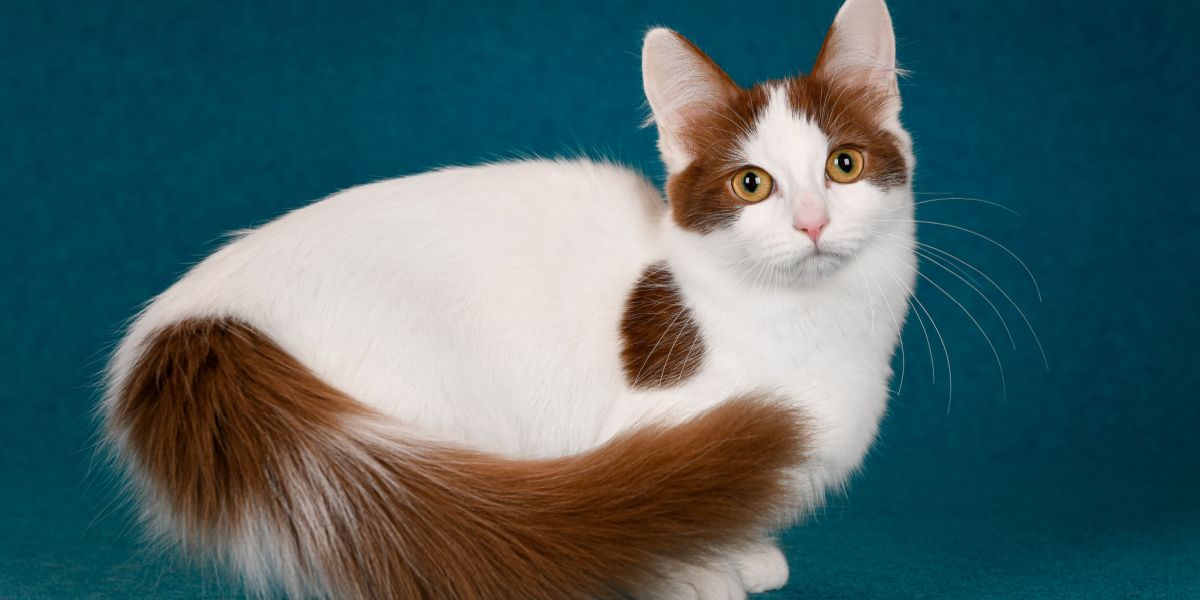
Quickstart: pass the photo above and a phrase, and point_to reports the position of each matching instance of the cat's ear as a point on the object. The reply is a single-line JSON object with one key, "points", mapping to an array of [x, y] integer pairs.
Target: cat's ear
{"points": [[860, 48], [682, 84]]}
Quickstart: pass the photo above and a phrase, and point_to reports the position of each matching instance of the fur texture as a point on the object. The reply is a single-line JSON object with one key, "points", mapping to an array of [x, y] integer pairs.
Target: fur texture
{"points": [[424, 387], [256, 461]]}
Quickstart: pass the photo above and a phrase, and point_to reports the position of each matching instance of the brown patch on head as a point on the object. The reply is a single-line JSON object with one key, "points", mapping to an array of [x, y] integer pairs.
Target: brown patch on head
{"points": [[850, 106], [701, 197], [851, 114], [244, 453], [663, 345]]}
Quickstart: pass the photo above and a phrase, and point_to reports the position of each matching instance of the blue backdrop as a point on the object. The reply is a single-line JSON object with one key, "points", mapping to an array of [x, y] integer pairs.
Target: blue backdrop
{"points": [[133, 134]]}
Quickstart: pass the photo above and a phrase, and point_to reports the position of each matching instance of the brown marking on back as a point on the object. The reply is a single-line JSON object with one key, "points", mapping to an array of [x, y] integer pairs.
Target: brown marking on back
{"points": [[847, 109], [237, 443], [662, 343]]}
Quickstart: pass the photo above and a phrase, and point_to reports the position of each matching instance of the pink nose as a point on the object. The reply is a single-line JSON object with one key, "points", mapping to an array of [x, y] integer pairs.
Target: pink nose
{"points": [[812, 226]]}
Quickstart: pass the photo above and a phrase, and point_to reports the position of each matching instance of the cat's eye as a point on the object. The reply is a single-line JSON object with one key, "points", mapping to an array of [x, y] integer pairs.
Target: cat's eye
{"points": [[752, 184], [844, 165]]}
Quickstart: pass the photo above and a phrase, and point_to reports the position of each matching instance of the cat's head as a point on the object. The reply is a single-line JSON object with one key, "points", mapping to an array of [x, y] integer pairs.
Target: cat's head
{"points": [[793, 177]]}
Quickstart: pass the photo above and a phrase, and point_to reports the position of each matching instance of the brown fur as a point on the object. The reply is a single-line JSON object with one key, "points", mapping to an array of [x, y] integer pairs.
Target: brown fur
{"points": [[702, 199], [846, 108], [662, 344], [850, 108], [234, 439], [849, 114]]}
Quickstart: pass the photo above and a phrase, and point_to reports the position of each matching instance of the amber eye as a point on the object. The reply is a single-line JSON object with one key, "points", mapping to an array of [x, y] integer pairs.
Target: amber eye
{"points": [[844, 165], [752, 184]]}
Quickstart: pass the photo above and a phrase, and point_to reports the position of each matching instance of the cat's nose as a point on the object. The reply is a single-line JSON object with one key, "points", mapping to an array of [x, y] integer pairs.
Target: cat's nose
{"points": [[811, 225]]}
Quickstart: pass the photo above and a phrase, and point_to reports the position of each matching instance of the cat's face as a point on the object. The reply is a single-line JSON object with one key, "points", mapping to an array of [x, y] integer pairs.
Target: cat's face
{"points": [[789, 180]]}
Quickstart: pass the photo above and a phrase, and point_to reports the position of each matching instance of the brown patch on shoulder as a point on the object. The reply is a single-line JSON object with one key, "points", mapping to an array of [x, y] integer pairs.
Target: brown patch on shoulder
{"points": [[245, 454], [663, 344]]}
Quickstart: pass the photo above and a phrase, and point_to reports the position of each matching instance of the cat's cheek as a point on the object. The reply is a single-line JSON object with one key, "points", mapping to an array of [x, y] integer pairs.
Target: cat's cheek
{"points": [[856, 210], [765, 227]]}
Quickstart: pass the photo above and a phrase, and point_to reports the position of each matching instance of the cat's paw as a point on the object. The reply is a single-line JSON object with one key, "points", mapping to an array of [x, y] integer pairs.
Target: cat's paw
{"points": [[715, 582], [762, 567]]}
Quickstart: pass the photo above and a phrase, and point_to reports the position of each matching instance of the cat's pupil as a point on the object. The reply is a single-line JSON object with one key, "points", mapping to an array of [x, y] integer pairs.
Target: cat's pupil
{"points": [[844, 162], [751, 182]]}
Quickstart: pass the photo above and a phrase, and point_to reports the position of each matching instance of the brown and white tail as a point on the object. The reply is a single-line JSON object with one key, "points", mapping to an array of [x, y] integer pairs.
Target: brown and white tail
{"points": [[244, 456]]}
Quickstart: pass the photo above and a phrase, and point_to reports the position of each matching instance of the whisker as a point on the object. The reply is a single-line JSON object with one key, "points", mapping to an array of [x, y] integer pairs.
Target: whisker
{"points": [[952, 257], [986, 337], [937, 331], [759, 271], [928, 344], [930, 258], [964, 199], [1028, 325], [899, 332], [1028, 272], [862, 273], [662, 337], [683, 327]]}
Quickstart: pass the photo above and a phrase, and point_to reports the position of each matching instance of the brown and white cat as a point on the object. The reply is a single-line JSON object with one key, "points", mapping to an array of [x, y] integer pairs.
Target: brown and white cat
{"points": [[536, 379]]}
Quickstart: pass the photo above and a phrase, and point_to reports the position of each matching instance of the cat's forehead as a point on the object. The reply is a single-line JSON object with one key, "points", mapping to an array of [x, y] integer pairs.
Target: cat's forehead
{"points": [[783, 140], [851, 114], [790, 118]]}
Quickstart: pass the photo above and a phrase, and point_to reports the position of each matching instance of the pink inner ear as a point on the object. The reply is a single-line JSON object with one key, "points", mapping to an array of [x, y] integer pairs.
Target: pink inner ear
{"points": [[683, 86], [860, 47]]}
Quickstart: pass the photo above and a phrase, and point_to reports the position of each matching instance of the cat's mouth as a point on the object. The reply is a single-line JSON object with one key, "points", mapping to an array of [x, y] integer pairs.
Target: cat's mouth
{"points": [[822, 260]]}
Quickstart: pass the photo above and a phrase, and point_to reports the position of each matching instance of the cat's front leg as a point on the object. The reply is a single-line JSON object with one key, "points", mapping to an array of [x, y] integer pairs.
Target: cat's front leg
{"points": [[761, 566], [756, 567], [718, 581]]}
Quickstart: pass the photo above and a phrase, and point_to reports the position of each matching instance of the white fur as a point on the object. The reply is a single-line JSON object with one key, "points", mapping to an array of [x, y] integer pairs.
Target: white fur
{"points": [[482, 305]]}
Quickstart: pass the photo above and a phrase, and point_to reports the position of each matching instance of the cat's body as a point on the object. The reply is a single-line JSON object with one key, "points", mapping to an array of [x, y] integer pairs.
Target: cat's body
{"points": [[378, 290], [533, 310], [375, 291]]}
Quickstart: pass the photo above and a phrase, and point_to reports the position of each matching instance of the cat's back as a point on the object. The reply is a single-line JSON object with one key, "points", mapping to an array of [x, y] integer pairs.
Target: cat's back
{"points": [[473, 224], [496, 281], [533, 210]]}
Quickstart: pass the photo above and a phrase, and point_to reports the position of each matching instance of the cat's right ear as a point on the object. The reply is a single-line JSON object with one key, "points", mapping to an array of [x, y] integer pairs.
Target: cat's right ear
{"points": [[682, 84]]}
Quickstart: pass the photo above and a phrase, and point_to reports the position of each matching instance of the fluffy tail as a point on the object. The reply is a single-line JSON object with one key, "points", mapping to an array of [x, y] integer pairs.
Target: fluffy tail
{"points": [[243, 455]]}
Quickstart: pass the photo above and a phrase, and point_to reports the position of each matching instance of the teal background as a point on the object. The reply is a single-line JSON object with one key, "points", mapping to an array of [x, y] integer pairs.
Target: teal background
{"points": [[133, 134]]}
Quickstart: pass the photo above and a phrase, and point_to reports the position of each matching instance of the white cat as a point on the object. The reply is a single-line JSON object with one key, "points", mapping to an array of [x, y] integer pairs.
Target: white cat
{"points": [[537, 379]]}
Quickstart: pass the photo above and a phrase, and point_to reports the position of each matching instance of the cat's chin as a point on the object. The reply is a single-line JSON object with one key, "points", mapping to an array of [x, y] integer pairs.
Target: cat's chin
{"points": [[814, 266], [817, 266]]}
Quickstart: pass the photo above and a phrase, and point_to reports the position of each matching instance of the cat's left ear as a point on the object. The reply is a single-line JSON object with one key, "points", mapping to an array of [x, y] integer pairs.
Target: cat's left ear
{"points": [[683, 85], [860, 48]]}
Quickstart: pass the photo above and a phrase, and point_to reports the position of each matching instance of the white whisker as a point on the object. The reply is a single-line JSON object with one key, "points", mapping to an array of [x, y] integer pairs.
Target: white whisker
{"points": [[862, 273], [945, 351], [987, 338], [1003, 323], [899, 332], [1032, 332], [964, 199], [1028, 272]]}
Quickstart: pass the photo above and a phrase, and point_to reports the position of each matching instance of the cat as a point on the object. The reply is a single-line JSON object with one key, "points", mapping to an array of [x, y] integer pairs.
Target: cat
{"points": [[540, 379]]}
